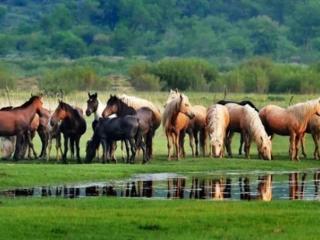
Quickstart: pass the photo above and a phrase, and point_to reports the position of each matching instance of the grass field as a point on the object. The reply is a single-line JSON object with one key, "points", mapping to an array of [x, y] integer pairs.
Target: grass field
{"points": [[101, 218]]}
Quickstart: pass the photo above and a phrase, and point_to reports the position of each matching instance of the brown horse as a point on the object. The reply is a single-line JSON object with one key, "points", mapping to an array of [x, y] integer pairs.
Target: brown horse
{"points": [[313, 128], [291, 121], [17, 121], [176, 116], [72, 126], [197, 130]]}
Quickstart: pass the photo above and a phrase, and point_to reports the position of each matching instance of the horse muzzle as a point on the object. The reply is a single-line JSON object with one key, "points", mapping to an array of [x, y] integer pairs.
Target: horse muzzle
{"points": [[190, 115], [88, 112]]}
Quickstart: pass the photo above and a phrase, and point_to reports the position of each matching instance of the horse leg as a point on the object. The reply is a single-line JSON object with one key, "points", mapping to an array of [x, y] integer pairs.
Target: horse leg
{"points": [[43, 134], [196, 141], [169, 144], [58, 147], [318, 139], [49, 148], [191, 143], [228, 143], [126, 142], [19, 142], [177, 145], [113, 146], [64, 155], [246, 138], [133, 149], [292, 145], [203, 141], [30, 136], [297, 142], [72, 143], [77, 142], [241, 144], [148, 144], [104, 150], [302, 146]]}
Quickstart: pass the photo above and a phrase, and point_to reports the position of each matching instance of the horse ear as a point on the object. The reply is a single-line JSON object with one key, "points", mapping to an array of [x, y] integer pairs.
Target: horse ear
{"points": [[261, 139], [269, 137], [176, 90], [95, 95], [89, 94]]}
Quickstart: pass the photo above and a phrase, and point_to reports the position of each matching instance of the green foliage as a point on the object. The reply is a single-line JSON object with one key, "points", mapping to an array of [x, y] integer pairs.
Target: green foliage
{"points": [[189, 73], [6, 79], [283, 30], [70, 79]]}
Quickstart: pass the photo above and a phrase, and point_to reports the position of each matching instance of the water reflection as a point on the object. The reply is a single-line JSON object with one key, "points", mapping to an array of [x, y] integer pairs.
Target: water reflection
{"points": [[265, 187]]}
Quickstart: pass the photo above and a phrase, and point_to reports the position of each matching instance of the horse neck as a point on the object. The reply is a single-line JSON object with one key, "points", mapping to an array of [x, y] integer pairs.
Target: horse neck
{"points": [[99, 111], [28, 112], [124, 109]]}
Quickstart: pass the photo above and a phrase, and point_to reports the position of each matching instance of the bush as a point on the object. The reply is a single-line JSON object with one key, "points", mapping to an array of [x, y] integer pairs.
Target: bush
{"points": [[71, 79]]}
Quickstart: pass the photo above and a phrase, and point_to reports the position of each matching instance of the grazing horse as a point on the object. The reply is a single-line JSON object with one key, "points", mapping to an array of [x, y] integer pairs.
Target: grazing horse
{"points": [[176, 116], [145, 115], [291, 121], [72, 126], [245, 119], [17, 121], [242, 103], [109, 130], [217, 124], [313, 128]]}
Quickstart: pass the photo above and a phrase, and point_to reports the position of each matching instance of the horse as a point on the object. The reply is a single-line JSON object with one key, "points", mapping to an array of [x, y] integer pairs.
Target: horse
{"points": [[7, 146], [217, 122], [72, 126], [16, 122], [176, 116], [242, 103], [291, 121], [246, 120], [146, 117], [196, 129], [108, 130], [313, 128]]}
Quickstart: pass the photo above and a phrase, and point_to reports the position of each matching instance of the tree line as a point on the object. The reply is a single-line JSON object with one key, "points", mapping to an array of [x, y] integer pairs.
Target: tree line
{"points": [[224, 30]]}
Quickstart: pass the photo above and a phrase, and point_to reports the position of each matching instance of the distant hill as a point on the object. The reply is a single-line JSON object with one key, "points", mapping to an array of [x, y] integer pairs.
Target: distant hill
{"points": [[225, 30]]}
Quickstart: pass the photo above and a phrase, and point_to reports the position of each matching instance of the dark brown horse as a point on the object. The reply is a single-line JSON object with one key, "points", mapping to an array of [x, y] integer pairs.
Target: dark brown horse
{"points": [[72, 126], [17, 121], [145, 115]]}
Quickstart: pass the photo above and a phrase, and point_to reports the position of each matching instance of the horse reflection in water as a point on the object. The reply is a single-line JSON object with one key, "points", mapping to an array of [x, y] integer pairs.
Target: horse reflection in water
{"points": [[316, 181], [264, 188], [176, 188], [296, 191], [138, 189], [217, 189]]}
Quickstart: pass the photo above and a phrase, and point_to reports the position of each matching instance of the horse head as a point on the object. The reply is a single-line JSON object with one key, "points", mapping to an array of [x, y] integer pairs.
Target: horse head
{"points": [[112, 106], [92, 103], [59, 114], [265, 148], [217, 146], [184, 106]]}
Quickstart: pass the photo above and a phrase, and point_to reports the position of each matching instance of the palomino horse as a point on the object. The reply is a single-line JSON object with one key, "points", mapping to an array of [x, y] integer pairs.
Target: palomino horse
{"points": [[17, 121], [291, 121], [176, 116], [196, 128], [145, 115], [242, 103], [217, 124], [246, 121], [72, 126], [313, 128]]}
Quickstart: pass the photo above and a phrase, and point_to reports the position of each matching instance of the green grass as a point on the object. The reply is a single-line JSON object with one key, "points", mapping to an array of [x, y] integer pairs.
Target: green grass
{"points": [[107, 218]]}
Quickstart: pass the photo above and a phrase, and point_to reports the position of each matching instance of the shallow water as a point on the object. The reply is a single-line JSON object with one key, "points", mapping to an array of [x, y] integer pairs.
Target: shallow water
{"points": [[207, 186]]}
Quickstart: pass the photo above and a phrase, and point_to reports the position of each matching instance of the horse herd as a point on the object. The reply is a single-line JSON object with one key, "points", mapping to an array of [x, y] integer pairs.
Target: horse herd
{"points": [[134, 121]]}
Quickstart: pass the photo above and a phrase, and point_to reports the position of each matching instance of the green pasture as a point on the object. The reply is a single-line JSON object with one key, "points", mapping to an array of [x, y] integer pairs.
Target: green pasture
{"points": [[99, 218]]}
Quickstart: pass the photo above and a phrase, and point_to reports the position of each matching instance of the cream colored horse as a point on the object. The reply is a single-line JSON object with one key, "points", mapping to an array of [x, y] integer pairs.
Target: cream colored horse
{"points": [[217, 124]]}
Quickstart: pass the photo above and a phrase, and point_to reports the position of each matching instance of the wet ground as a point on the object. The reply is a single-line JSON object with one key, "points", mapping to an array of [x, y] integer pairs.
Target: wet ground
{"points": [[208, 186]]}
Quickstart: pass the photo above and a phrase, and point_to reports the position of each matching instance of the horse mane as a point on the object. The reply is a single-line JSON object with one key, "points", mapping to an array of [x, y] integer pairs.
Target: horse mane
{"points": [[300, 110], [8, 108], [215, 117], [137, 103], [172, 108], [70, 109], [242, 103], [254, 124]]}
